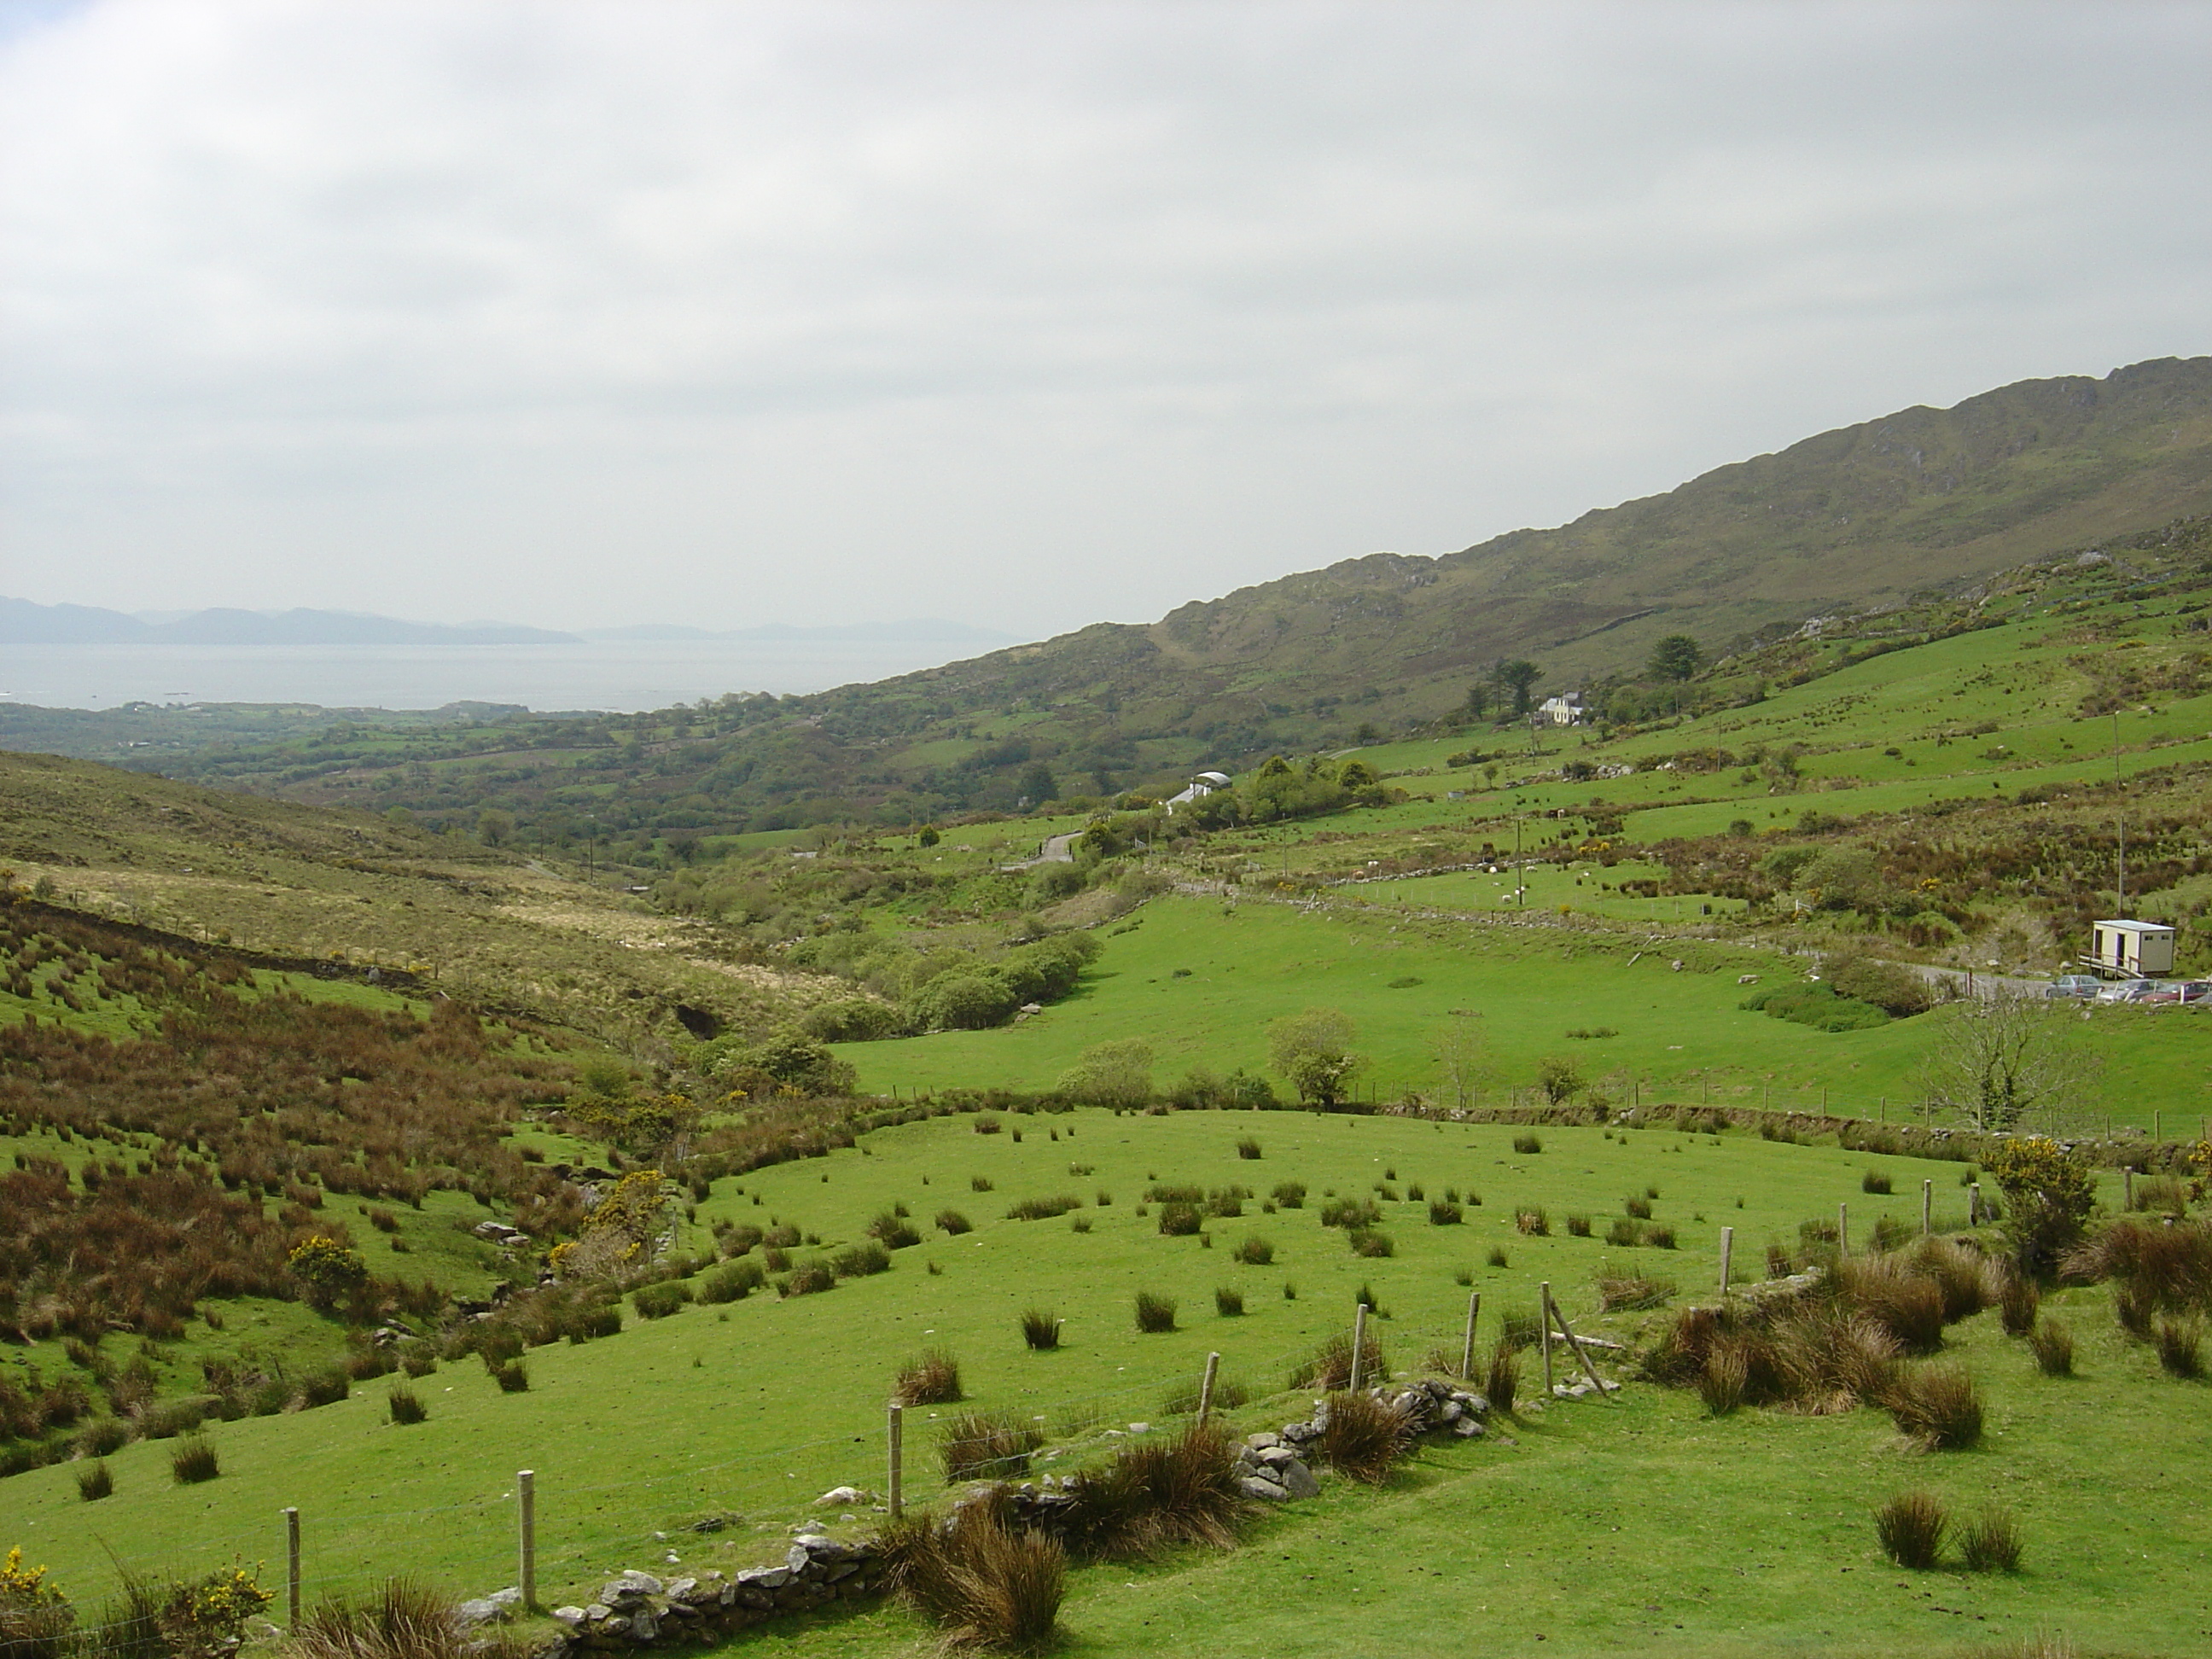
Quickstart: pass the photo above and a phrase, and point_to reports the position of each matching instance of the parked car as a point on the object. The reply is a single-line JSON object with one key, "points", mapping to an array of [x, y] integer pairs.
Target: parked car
{"points": [[2179, 990], [2073, 985], [2128, 990]]}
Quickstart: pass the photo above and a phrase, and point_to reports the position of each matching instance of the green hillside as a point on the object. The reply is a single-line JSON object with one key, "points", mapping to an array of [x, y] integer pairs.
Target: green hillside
{"points": [[1861, 519]]}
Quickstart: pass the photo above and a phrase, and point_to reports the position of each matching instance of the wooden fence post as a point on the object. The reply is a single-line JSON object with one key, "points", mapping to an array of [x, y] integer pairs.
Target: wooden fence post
{"points": [[1843, 1231], [898, 1459], [292, 1568], [1466, 1348], [1927, 1208], [525, 1489], [2128, 1188], [1545, 1319], [1358, 1346], [1974, 1204], [1728, 1250], [1205, 1389]]}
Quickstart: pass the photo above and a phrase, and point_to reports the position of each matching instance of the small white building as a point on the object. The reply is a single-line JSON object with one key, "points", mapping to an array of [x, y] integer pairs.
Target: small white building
{"points": [[1565, 710], [1199, 788], [2133, 950]]}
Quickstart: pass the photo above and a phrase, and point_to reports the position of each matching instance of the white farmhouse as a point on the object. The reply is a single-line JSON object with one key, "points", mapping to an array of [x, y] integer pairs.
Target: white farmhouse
{"points": [[1565, 710]]}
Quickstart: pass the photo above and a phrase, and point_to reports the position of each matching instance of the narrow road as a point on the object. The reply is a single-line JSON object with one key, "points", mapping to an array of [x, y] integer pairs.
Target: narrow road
{"points": [[1056, 851]]}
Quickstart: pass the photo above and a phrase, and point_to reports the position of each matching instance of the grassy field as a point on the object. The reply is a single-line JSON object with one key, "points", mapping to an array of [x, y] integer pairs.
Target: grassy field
{"points": [[1738, 1532]]}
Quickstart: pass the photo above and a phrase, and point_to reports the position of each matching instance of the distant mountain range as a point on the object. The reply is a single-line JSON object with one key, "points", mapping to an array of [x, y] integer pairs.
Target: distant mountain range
{"points": [[22, 623]]}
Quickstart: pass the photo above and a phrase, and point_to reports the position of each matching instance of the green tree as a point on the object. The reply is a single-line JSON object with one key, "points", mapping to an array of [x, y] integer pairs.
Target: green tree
{"points": [[494, 828], [1518, 675], [1313, 1051], [1038, 785], [2001, 1059], [2049, 1191], [1117, 1074], [1677, 657], [1477, 701], [1559, 1078], [1357, 775]]}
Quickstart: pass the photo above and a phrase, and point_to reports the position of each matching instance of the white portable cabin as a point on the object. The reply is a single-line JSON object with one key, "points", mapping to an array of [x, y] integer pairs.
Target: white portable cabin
{"points": [[2133, 950], [1198, 789]]}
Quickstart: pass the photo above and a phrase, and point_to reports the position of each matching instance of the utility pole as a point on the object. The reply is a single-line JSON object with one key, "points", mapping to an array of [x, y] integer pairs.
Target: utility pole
{"points": [[2120, 811]]}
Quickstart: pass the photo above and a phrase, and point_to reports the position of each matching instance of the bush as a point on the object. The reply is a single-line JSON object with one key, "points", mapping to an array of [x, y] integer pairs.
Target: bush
{"points": [[1228, 1304], [401, 1618], [1501, 1377], [93, 1482], [1330, 1368], [2052, 1345], [512, 1378], [893, 1231], [1444, 1214], [861, 1260], [1991, 1543], [987, 1584], [405, 1407], [193, 1461], [954, 1223], [1528, 1144], [2180, 1345], [34, 1617], [1040, 1329], [1911, 1528], [733, 1282], [1874, 1181], [930, 1378], [658, 1300], [1155, 1313], [1255, 1252], [1940, 1408], [1180, 1220], [808, 1278], [1248, 1148], [990, 1446], [1362, 1438], [1043, 1209]]}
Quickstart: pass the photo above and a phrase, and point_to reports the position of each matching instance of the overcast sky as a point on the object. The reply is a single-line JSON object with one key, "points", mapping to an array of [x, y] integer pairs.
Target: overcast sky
{"points": [[1030, 315]]}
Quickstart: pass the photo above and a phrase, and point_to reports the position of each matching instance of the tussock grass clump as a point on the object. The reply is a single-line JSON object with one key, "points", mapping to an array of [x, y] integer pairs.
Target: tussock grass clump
{"points": [[1370, 1243], [95, 1481], [1633, 1292], [1501, 1376], [1159, 1493], [2019, 1302], [1040, 1328], [1496, 1257], [1532, 1222], [660, 1301], [2161, 1194], [419, 1359], [930, 1378], [1043, 1209], [1155, 1313], [101, 1436], [1330, 1368], [861, 1260], [2052, 1344], [1725, 1378], [954, 1223], [985, 1583], [979, 1183], [808, 1278], [1180, 1220], [1255, 1252], [1523, 1328], [1352, 1214], [401, 1618], [2162, 1268], [1528, 1144], [1911, 1528], [1227, 1303], [1992, 1542], [324, 1387], [989, 1446], [1903, 1304], [405, 1406], [1659, 1238], [893, 1231], [733, 1282], [1939, 1409], [194, 1460], [1875, 1182], [585, 1325], [1363, 1437], [1181, 1398], [512, 1378], [1248, 1147], [2180, 1344], [1289, 1194], [1443, 1213], [1578, 1226]]}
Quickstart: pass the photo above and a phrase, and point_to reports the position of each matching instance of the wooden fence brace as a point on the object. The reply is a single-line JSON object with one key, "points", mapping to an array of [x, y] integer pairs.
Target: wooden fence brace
{"points": [[525, 1491], [1358, 1346], [1466, 1348], [292, 1568], [1205, 1389], [2158, 1126], [1927, 1208], [898, 1459], [1545, 1292], [1728, 1250], [1843, 1230], [1575, 1343]]}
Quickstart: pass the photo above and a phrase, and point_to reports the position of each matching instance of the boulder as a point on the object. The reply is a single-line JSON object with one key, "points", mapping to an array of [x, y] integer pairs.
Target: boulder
{"points": [[1268, 1491], [1299, 1480], [840, 1498]]}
